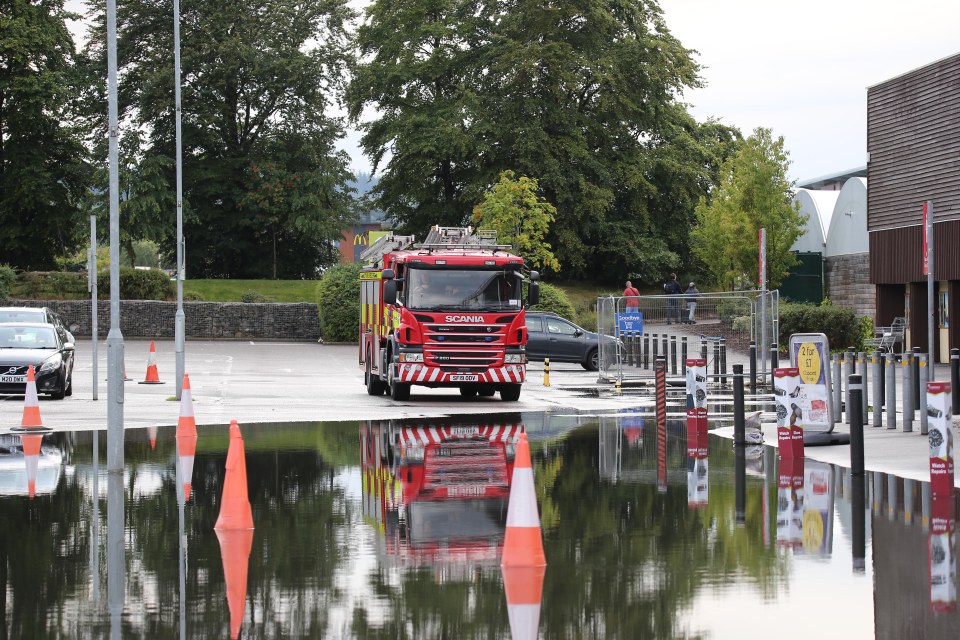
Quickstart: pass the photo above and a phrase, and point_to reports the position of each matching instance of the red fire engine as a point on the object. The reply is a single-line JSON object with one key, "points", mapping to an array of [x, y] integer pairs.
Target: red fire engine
{"points": [[445, 313], [438, 492]]}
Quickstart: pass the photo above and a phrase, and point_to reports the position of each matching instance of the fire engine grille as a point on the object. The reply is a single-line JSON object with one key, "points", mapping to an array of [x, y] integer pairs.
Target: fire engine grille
{"points": [[458, 347]]}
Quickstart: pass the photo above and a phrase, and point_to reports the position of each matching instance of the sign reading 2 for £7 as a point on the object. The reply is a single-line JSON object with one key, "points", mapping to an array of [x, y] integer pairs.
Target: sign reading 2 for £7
{"points": [[810, 354]]}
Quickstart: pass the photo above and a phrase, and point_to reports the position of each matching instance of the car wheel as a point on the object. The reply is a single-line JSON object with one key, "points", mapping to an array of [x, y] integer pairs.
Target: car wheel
{"points": [[61, 392], [69, 391], [375, 386], [510, 392], [592, 362], [468, 392]]}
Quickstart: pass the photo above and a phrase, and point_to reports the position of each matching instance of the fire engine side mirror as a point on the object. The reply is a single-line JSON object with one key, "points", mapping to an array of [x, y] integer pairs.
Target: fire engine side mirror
{"points": [[387, 274], [533, 297], [390, 292]]}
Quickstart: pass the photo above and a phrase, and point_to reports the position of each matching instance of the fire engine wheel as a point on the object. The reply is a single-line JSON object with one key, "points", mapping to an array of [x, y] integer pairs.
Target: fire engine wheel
{"points": [[398, 390], [468, 392], [486, 391], [375, 386], [510, 392]]}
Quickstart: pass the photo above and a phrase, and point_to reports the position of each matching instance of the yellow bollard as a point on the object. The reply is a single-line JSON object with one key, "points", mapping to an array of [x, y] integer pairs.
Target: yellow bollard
{"points": [[546, 372]]}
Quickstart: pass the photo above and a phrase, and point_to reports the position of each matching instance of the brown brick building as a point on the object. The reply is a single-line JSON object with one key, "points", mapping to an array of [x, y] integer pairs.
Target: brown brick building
{"points": [[913, 155]]}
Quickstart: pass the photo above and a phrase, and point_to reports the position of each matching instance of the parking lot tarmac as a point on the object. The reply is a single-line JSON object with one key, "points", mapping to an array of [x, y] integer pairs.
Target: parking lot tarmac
{"points": [[277, 382]]}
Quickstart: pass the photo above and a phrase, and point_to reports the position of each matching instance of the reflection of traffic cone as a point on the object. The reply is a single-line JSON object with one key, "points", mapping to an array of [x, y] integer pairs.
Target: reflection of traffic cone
{"points": [[31, 405], [235, 552], [523, 544], [524, 589], [235, 504], [31, 455], [186, 450], [152, 432], [152, 376], [186, 425]]}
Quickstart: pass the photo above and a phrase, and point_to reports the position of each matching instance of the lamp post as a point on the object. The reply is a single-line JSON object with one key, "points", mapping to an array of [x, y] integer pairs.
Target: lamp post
{"points": [[179, 328]]}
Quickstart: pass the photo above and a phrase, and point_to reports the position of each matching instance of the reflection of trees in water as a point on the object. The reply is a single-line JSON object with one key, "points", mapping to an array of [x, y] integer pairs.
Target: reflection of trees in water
{"points": [[641, 557]]}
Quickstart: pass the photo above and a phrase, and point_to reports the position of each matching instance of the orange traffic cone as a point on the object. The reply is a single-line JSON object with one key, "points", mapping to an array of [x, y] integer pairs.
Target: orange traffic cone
{"points": [[186, 425], [31, 404], [235, 504], [186, 450], [31, 455], [152, 376], [523, 543], [152, 433], [524, 590], [235, 552]]}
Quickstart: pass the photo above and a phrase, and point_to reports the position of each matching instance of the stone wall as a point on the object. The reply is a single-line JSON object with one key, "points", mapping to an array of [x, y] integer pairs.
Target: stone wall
{"points": [[207, 320], [847, 283]]}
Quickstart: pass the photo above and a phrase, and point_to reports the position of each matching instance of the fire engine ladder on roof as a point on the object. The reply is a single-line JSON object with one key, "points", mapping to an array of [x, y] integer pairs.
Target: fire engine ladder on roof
{"points": [[385, 244], [462, 238]]}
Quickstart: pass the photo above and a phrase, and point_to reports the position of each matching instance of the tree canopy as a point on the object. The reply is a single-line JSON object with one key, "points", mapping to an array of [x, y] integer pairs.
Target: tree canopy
{"points": [[43, 163], [258, 82], [753, 193]]}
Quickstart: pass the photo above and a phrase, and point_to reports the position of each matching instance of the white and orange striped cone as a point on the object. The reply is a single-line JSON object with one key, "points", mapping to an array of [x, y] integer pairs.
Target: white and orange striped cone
{"points": [[524, 590], [31, 405], [186, 451], [152, 434], [31, 456], [186, 424], [235, 510], [152, 376], [523, 543]]}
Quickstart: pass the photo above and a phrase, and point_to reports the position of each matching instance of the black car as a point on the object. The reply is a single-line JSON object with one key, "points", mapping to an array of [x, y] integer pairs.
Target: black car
{"points": [[39, 344], [554, 337]]}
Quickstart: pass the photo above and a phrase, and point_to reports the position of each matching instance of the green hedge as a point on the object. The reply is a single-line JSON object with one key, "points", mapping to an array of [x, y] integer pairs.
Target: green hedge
{"points": [[138, 284], [7, 278], [338, 303], [555, 299], [841, 325]]}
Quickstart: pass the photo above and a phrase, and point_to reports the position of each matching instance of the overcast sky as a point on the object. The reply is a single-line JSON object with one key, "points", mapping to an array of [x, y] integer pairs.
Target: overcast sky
{"points": [[802, 69]]}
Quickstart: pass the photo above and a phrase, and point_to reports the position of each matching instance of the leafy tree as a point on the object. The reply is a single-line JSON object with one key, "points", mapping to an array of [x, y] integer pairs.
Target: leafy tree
{"points": [[754, 193], [258, 80], [520, 218], [43, 169], [338, 303]]}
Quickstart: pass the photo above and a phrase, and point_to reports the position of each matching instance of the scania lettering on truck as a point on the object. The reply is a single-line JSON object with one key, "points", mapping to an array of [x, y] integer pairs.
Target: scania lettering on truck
{"points": [[445, 313]]}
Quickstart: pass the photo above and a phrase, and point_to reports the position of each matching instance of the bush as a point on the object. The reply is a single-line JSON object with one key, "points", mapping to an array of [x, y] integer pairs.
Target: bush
{"points": [[555, 299], [743, 325], [138, 284], [253, 296], [7, 277], [729, 310], [192, 296], [841, 325], [338, 303]]}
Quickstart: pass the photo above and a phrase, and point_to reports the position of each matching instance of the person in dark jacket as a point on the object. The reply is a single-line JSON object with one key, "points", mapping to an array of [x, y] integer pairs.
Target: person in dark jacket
{"points": [[672, 288], [692, 292]]}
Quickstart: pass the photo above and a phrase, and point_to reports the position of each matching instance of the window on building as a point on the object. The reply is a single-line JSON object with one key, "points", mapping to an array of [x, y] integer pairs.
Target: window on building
{"points": [[944, 315]]}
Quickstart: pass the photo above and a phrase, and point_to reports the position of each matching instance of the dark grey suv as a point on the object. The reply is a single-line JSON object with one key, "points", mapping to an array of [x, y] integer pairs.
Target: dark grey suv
{"points": [[554, 337]]}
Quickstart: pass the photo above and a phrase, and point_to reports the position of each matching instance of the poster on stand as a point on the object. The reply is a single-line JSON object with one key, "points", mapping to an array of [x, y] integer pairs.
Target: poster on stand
{"points": [[940, 437], [697, 436], [818, 494], [790, 503], [810, 354], [941, 546], [790, 422], [697, 483]]}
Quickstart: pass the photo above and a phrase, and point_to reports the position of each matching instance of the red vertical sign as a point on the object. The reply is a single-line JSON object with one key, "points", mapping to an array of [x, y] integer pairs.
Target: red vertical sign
{"points": [[926, 262], [762, 270]]}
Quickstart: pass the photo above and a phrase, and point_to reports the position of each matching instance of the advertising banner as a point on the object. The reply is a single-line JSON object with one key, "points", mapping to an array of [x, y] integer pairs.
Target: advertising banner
{"points": [[940, 437], [817, 508], [629, 322], [786, 391], [810, 354], [942, 555], [697, 483], [697, 436], [790, 502]]}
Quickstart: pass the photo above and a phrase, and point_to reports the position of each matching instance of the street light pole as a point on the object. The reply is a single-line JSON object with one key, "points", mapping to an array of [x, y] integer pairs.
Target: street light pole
{"points": [[115, 374], [179, 324]]}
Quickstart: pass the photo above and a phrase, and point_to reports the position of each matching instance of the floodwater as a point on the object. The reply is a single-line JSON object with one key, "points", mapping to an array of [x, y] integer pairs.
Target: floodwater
{"points": [[394, 529]]}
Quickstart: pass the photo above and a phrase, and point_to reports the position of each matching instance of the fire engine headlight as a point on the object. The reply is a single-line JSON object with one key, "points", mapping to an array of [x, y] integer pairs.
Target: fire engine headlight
{"points": [[515, 358], [411, 357]]}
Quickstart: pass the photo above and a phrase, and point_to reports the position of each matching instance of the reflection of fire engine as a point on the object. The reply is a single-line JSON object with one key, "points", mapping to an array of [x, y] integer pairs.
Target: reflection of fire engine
{"points": [[445, 313], [438, 493]]}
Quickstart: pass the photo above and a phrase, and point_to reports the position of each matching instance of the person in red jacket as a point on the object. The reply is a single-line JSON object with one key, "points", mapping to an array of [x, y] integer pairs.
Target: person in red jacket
{"points": [[631, 295]]}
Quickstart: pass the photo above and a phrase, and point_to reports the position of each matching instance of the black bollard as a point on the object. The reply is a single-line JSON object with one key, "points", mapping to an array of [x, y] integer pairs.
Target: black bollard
{"points": [[656, 348], [915, 377], [646, 351], [739, 421], [955, 379], [673, 355], [855, 417], [774, 361], [716, 358], [683, 354], [723, 363], [666, 348], [883, 378], [858, 504], [753, 367], [703, 349], [740, 482]]}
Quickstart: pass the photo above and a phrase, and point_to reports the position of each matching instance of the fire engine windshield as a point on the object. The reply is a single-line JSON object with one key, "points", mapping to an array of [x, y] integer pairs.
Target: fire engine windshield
{"points": [[449, 289]]}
